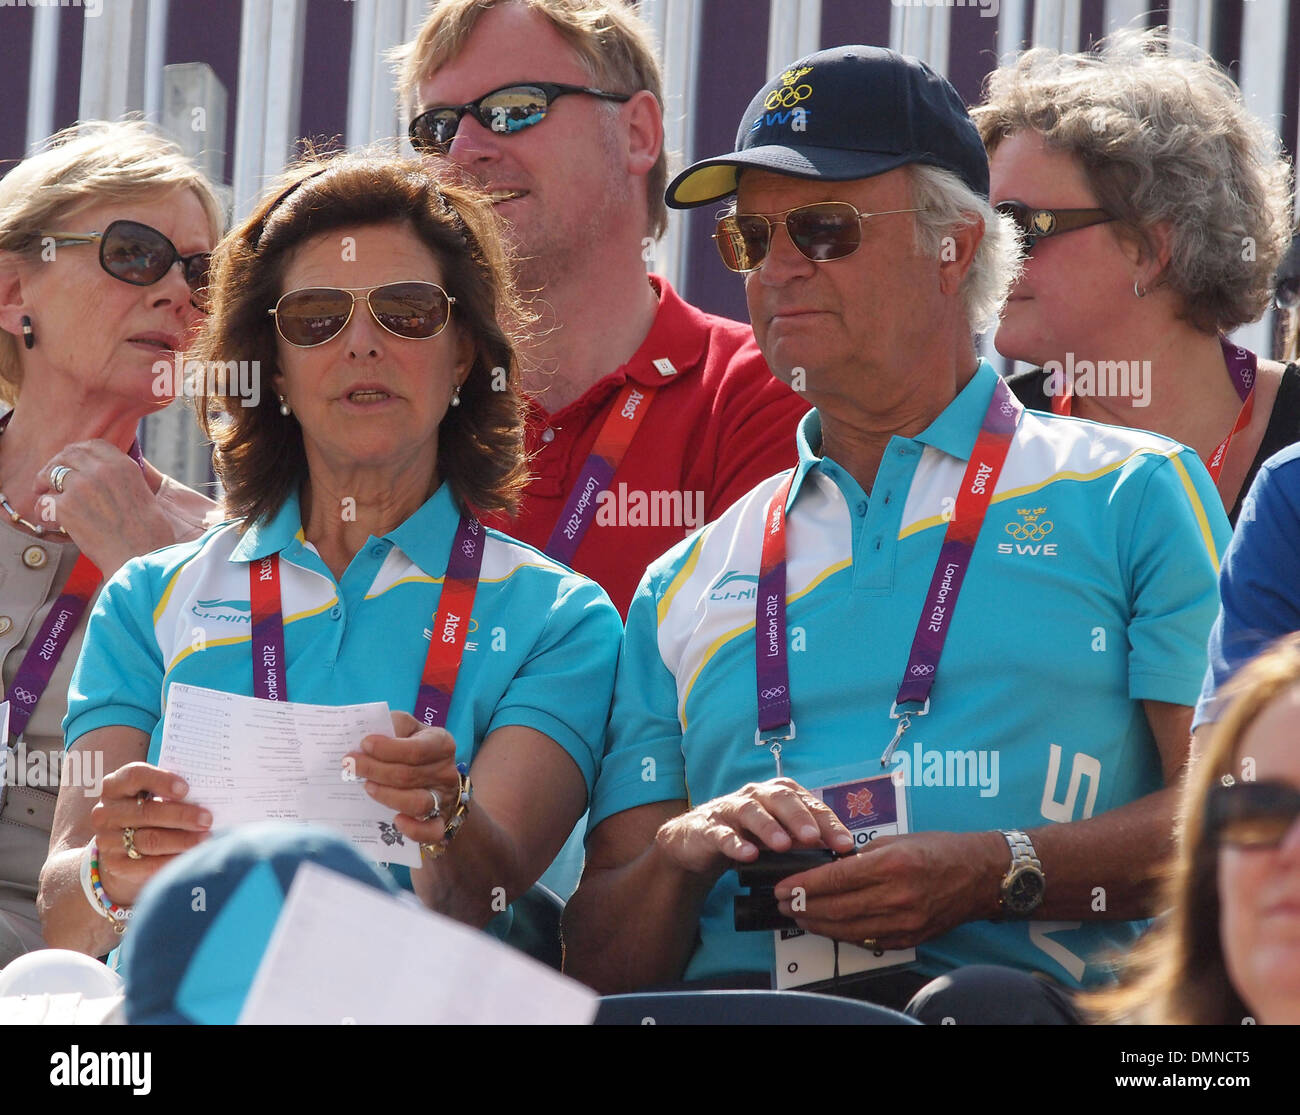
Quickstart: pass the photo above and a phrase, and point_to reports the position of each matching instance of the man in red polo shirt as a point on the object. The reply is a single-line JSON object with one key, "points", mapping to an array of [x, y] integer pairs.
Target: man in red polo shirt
{"points": [[647, 418]]}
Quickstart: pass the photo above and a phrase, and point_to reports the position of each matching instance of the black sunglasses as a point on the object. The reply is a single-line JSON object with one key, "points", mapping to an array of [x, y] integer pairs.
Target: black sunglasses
{"points": [[1251, 814], [141, 256], [507, 110], [1034, 224], [416, 311], [822, 231], [1287, 294]]}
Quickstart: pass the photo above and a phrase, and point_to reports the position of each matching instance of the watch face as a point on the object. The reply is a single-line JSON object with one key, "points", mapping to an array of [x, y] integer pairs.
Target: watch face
{"points": [[1025, 891]]}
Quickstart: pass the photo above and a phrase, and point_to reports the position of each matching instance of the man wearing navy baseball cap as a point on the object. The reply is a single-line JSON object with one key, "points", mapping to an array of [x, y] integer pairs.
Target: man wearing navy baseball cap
{"points": [[942, 670]]}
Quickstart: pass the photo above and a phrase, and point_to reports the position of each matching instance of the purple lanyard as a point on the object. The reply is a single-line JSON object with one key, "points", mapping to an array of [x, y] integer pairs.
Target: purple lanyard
{"points": [[1242, 365], [616, 433], [43, 654], [446, 645], [775, 725]]}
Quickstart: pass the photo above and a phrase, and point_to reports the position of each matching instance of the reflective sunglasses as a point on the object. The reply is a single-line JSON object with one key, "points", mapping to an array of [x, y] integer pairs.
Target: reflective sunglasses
{"points": [[1251, 814], [1034, 224], [141, 256], [822, 231], [507, 110], [314, 315]]}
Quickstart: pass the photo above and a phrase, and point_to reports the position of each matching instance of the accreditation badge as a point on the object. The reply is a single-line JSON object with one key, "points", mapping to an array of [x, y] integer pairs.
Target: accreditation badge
{"points": [[869, 807]]}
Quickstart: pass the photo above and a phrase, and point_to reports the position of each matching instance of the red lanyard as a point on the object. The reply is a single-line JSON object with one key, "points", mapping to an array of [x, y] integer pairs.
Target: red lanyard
{"points": [[616, 434], [1242, 366], [446, 646], [976, 493]]}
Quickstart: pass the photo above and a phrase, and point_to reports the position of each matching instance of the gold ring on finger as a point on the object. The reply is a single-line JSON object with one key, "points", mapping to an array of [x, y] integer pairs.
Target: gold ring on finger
{"points": [[870, 945], [128, 841]]}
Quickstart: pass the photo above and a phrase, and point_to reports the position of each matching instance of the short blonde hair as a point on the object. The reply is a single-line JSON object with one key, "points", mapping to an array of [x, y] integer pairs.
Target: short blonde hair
{"points": [[613, 43], [1163, 135], [90, 162]]}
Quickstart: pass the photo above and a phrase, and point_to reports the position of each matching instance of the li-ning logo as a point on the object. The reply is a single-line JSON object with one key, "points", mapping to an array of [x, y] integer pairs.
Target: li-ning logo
{"points": [[789, 94], [738, 591], [1029, 533], [222, 610]]}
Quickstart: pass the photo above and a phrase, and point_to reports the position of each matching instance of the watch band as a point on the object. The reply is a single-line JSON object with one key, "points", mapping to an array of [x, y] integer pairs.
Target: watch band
{"points": [[1022, 849], [1024, 865]]}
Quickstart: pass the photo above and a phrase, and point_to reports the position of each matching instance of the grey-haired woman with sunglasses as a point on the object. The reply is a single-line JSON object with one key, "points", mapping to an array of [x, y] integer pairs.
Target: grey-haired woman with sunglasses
{"points": [[104, 238], [377, 303], [1154, 208]]}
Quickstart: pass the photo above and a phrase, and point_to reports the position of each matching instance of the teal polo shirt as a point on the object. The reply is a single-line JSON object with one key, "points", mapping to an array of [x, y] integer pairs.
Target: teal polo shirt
{"points": [[1092, 588], [541, 651]]}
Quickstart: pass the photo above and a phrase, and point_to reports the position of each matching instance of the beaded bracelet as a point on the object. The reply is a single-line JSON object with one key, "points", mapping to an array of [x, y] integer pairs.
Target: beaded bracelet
{"points": [[118, 915]]}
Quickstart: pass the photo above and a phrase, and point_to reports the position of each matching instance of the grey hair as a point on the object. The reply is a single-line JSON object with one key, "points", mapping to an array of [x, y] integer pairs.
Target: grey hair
{"points": [[1163, 135], [946, 204]]}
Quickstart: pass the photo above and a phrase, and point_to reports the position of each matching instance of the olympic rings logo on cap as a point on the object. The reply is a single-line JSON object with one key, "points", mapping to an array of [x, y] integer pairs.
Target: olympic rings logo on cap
{"points": [[788, 97]]}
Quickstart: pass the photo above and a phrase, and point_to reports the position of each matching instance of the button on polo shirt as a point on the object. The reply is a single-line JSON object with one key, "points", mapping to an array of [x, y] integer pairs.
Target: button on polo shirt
{"points": [[1091, 588]]}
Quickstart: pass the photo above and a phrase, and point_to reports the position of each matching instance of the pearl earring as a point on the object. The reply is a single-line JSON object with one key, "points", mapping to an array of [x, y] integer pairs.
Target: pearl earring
{"points": [[284, 407], [455, 396]]}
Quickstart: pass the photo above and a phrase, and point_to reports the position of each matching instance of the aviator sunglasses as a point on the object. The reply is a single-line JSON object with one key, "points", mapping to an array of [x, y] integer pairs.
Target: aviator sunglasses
{"points": [[1034, 224], [507, 110], [312, 316], [141, 256], [1251, 814], [822, 231]]}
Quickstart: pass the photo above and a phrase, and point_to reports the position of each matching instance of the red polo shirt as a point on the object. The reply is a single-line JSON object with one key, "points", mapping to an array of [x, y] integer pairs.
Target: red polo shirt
{"points": [[719, 423]]}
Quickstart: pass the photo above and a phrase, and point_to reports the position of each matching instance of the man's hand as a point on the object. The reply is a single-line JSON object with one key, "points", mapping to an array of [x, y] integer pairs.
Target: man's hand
{"points": [[106, 505], [901, 890], [778, 815]]}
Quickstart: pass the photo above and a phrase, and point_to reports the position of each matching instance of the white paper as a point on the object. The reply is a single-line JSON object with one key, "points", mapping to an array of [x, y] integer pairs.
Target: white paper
{"points": [[345, 953], [252, 760]]}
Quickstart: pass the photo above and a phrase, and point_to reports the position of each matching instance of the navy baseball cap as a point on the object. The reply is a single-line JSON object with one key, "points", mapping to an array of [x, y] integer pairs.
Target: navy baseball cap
{"points": [[203, 922], [841, 114]]}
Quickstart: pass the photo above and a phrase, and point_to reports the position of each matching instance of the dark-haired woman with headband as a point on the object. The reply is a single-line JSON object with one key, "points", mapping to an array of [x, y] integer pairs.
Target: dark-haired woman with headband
{"points": [[371, 297]]}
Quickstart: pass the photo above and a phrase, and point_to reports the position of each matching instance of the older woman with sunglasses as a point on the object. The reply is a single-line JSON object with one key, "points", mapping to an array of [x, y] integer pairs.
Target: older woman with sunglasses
{"points": [[371, 296], [1154, 209], [104, 240], [1228, 948]]}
